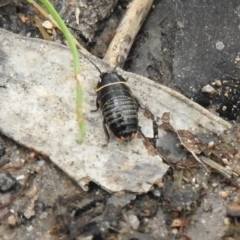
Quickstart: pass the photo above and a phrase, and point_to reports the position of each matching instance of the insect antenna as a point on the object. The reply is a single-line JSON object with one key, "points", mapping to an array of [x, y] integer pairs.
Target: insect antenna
{"points": [[93, 64], [122, 63], [114, 69]]}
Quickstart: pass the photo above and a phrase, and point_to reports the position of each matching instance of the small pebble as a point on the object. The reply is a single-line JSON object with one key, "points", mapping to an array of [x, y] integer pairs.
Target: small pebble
{"points": [[208, 89], [28, 213], [33, 154], [203, 221], [224, 108], [43, 215], [32, 192], [22, 160], [225, 161], [28, 34], [12, 220], [219, 45], [226, 221], [41, 163], [12, 210], [214, 185], [175, 231], [217, 83], [211, 144], [223, 194], [23, 18], [179, 209], [157, 192], [176, 223], [29, 228], [47, 24], [38, 169], [159, 183], [21, 177], [134, 222]]}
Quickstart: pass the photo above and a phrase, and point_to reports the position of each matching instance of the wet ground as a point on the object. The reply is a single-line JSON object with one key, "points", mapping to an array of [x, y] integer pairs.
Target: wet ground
{"points": [[38, 201]]}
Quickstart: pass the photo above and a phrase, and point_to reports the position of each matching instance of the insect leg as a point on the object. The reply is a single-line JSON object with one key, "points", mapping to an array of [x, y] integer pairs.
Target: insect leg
{"points": [[97, 104], [106, 131], [138, 104]]}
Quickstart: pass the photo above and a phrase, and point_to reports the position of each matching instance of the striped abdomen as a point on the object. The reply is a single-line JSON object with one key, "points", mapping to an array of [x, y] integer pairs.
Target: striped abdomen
{"points": [[119, 108]]}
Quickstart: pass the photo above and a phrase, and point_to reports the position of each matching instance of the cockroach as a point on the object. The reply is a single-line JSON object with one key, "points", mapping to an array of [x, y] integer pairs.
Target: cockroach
{"points": [[118, 104]]}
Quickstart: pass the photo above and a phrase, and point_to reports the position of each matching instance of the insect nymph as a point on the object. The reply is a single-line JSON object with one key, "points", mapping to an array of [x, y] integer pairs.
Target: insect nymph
{"points": [[119, 106]]}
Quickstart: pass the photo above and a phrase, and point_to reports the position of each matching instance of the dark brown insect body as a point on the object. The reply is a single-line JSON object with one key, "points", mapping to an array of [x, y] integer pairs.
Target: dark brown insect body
{"points": [[119, 106]]}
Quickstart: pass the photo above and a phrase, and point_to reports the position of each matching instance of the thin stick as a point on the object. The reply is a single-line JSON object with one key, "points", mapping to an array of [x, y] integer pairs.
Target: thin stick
{"points": [[224, 171], [126, 32], [44, 33]]}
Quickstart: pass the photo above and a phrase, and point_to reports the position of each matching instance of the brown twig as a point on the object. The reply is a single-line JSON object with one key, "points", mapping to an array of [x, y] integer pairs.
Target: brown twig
{"points": [[7, 168], [126, 32], [44, 33]]}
